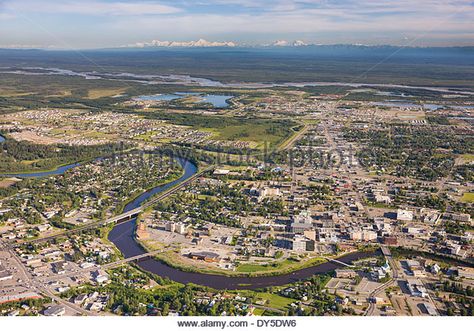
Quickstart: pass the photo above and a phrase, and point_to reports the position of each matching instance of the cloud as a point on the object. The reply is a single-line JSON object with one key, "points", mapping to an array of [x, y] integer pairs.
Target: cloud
{"points": [[91, 7], [118, 22], [7, 16], [313, 21]]}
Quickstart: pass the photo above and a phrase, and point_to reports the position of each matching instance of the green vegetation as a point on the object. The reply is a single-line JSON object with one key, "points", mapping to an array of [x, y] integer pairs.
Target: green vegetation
{"points": [[456, 228], [33, 306], [417, 152], [259, 131], [13, 155], [272, 266], [468, 197], [440, 120], [468, 157], [272, 300], [125, 296], [212, 200], [116, 181]]}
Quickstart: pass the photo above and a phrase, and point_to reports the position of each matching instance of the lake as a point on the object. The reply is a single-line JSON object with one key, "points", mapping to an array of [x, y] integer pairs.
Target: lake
{"points": [[217, 100]]}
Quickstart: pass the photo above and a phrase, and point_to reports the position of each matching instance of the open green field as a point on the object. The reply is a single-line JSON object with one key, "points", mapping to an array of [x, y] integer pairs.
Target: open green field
{"points": [[271, 266], [468, 157], [273, 300], [97, 93], [257, 133], [280, 267], [468, 197]]}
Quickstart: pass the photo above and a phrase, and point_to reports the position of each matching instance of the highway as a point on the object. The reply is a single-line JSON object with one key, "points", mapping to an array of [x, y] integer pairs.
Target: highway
{"points": [[388, 255], [289, 143]]}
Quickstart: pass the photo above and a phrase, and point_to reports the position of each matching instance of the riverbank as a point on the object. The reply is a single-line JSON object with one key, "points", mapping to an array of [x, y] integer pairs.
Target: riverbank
{"points": [[161, 182], [57, 169], [176, 261]]}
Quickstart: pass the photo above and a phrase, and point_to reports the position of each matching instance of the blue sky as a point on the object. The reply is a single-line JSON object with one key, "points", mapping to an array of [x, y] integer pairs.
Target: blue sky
{"points": [[107, 23]]}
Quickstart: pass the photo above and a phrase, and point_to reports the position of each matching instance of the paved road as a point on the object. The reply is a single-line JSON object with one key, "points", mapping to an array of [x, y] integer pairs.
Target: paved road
{"points": [[287, 144], [379, 290], [39, 287]]}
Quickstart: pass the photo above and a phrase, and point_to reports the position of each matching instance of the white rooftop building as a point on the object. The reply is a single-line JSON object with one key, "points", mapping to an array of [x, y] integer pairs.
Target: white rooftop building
{"points": [[404, 215]]}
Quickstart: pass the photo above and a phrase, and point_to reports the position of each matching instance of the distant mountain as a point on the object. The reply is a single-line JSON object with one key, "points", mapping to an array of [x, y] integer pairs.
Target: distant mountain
{"points": [[205, 43], [299, 43], [285, 43], [281, 43], [197, 43]]}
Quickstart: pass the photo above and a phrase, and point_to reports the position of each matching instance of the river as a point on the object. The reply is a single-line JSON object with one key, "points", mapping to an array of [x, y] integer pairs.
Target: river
{"points": [[151, 79], [123, 236], [59, 171]]}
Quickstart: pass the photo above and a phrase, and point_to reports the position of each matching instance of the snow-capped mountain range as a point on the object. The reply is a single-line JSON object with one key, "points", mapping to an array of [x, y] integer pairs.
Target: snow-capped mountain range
{"points": [[285, 43], [205, 43], [197, 43]]}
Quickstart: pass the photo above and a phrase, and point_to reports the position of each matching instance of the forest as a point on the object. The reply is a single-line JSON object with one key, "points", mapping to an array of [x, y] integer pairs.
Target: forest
{"points": [[22, 156]]}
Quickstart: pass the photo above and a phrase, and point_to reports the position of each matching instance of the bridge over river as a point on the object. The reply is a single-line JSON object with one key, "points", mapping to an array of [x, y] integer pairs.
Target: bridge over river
{"points": [[135, 207]]}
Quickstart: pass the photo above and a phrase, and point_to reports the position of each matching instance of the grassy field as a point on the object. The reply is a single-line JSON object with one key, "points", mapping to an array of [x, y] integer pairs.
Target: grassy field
{"points": [[273, 266], [273, 300], [467, 157], [104, 92], [468, 197], [277, 268], [256, 133], [258, 311]]}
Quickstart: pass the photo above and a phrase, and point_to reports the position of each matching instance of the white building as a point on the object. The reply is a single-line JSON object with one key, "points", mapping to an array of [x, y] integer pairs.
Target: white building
{"points": [[404, 215], [381, 198], [181, 228], [416, 288]]}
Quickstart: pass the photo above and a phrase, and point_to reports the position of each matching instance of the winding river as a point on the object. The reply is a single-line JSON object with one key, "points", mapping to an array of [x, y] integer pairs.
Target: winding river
{"points": [[123, 236], [59, 171]]}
